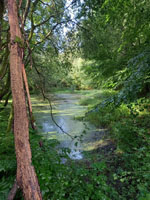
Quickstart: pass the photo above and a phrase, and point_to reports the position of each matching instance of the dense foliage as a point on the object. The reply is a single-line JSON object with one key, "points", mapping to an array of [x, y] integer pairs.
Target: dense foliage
{"points": [[115, 33]]}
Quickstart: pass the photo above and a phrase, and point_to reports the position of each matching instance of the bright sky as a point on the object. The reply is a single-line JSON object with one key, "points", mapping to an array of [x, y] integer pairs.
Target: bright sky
{"points": [[72, 13]]}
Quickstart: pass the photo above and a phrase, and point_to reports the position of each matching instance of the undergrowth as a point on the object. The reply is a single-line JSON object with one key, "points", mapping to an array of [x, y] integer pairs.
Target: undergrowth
{"points": [[119, 175], [58, 180], [128, 125], [7, 157]]}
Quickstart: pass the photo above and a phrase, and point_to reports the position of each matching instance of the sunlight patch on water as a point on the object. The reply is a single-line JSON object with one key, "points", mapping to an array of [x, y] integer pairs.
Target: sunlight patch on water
{"points": [[94, 145]]}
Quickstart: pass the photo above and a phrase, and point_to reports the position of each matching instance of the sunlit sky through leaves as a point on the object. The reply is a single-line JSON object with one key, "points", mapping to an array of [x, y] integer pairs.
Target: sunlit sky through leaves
{"points": [[72, 12]]}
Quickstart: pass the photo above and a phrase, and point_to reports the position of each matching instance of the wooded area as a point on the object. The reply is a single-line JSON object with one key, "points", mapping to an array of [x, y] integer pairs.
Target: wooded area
{"points": [[99, 52]]}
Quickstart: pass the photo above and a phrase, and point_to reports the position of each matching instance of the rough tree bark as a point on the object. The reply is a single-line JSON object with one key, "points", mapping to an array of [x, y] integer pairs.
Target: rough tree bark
{"points": [[26, 176]]}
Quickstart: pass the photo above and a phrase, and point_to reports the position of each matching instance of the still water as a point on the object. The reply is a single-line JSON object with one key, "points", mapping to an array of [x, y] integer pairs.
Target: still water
{"points": [[65, 109]]}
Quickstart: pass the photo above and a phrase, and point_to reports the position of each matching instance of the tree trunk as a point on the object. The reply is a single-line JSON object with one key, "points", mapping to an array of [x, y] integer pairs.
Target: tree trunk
{"points": [[28, 97], [26, 176]]}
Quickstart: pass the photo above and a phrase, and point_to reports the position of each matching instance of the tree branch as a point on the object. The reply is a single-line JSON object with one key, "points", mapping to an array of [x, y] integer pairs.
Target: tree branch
{"points": [[43, 22], [50, 32], [26, 12]]}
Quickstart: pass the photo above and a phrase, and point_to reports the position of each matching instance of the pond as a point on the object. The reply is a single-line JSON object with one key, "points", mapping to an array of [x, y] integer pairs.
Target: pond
{"points": [[65, 109]]}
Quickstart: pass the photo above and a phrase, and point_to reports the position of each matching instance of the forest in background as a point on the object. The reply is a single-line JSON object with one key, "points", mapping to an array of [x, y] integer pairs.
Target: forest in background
{"points": [[101, 45]]}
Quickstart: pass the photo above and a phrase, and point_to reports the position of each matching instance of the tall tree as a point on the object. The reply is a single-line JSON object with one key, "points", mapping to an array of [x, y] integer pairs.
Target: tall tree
{"points": [[26, 176]]}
